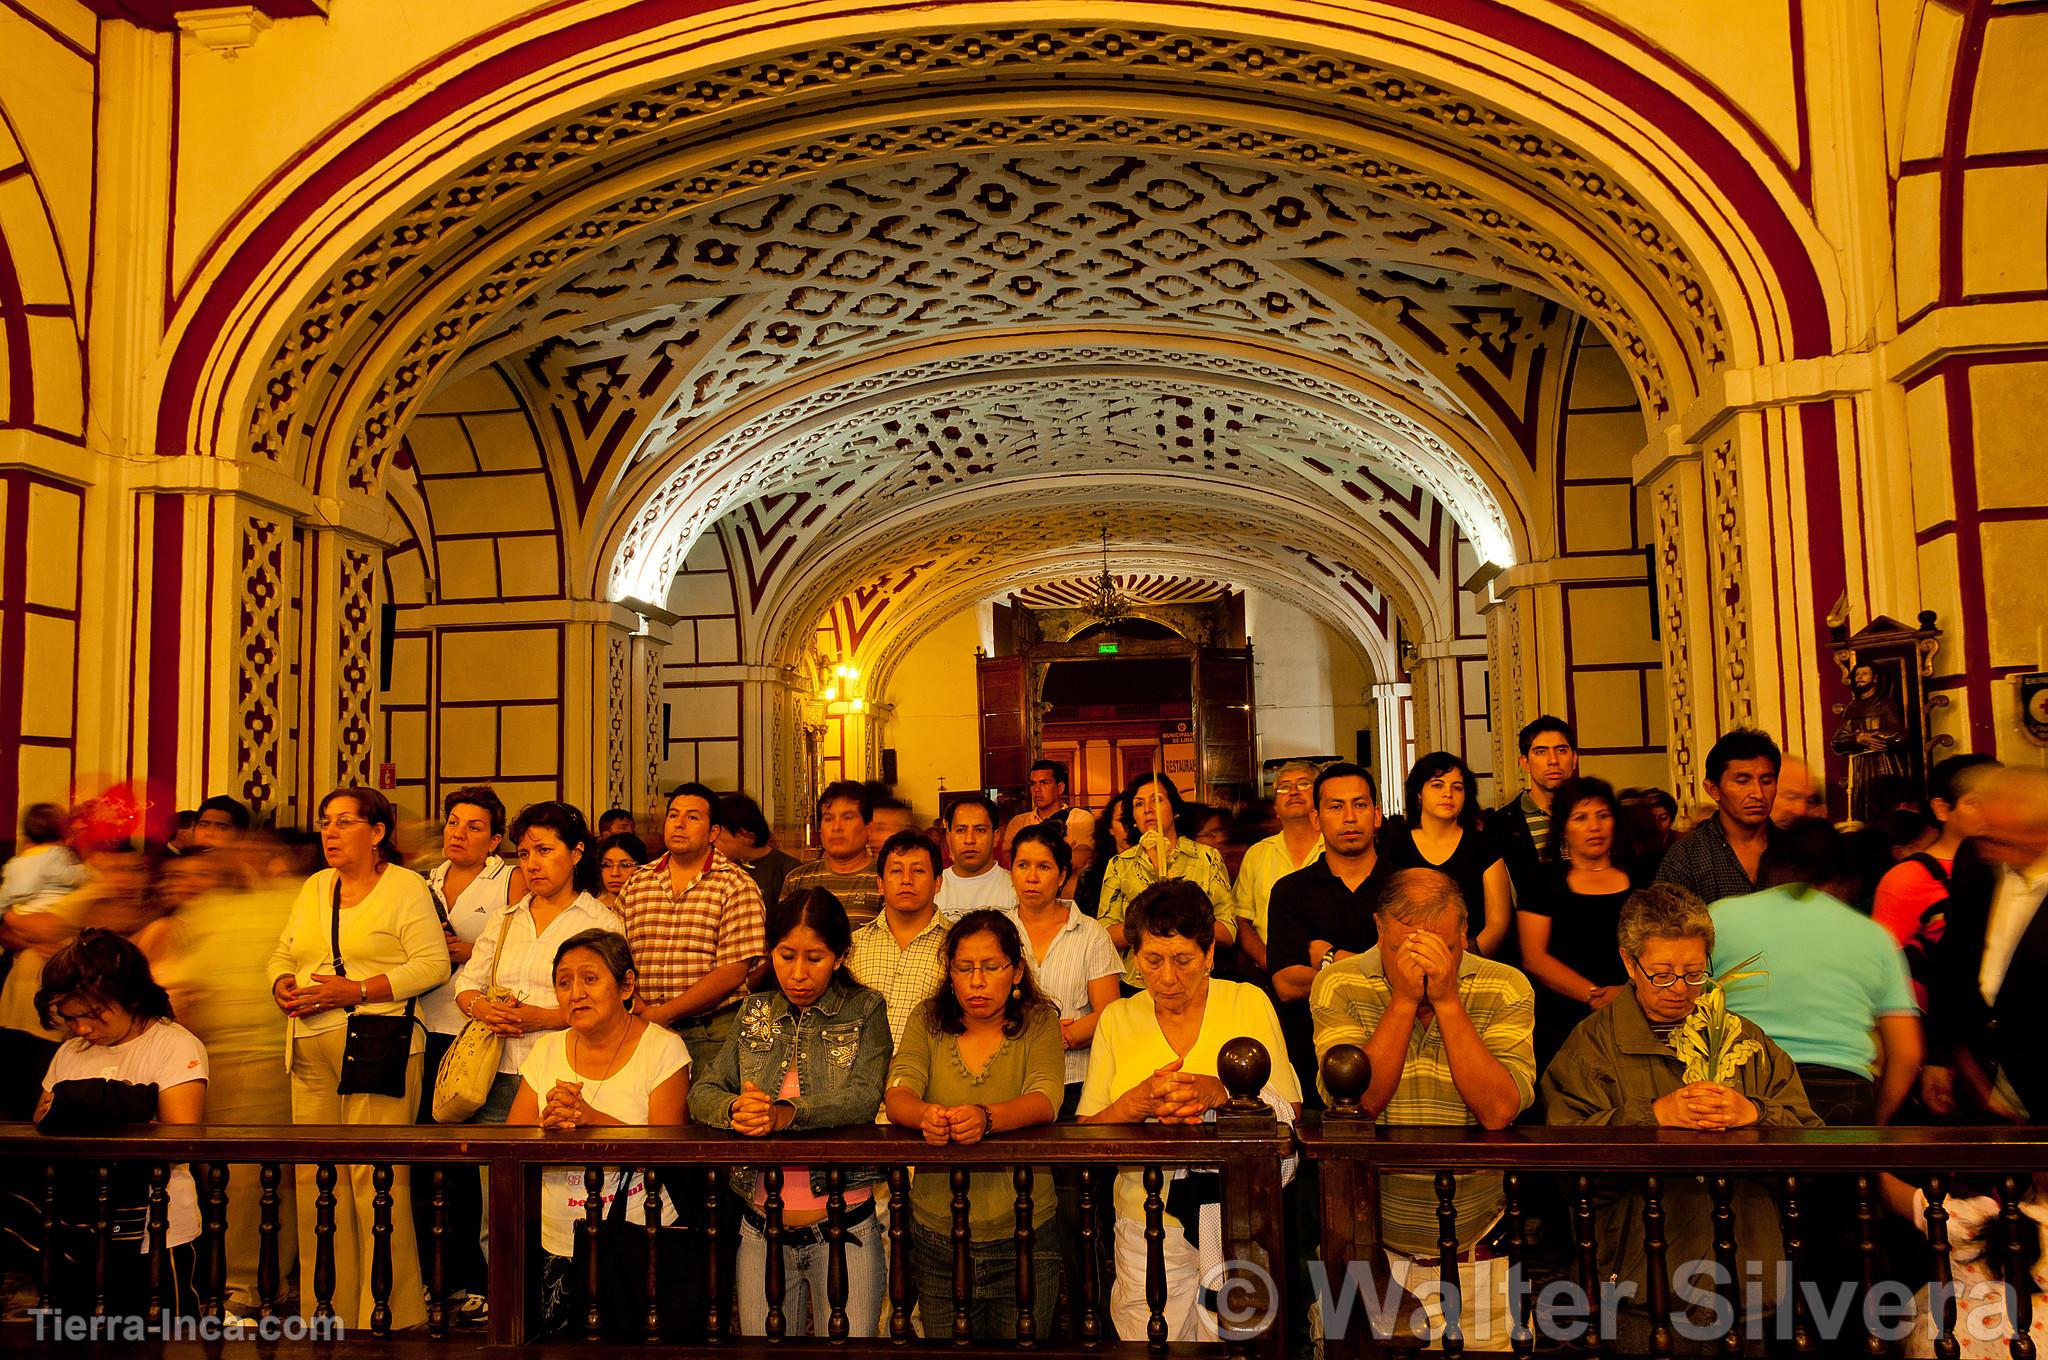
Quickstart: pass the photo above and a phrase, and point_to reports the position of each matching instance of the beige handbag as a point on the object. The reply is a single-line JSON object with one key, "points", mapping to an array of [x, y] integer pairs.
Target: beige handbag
{"points": [[463, 1082]]}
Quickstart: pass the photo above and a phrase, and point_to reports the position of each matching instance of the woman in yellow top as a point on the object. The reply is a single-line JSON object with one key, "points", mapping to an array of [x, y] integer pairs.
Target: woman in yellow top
{"points": [[392, 950], [1154, 1058]]}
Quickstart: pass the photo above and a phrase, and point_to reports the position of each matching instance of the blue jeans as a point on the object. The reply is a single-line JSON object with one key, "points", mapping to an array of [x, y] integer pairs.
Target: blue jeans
{"points": [[805, 1307]]}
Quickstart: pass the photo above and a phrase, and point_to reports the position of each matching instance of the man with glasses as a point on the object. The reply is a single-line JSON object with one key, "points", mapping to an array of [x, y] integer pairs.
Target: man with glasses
{"points": [[1296, 845]]}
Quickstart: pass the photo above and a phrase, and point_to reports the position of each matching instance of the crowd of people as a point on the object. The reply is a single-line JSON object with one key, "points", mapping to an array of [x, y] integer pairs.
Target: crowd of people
{"points": [[1573, 956]]}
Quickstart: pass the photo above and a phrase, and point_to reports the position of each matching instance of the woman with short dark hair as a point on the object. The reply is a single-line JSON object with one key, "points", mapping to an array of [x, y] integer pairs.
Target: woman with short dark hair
{"points": [[362, 939], [1154, 1058], [127, 1062], [1568, 925], [983, 1056], [606, 1068], [619, 857]]}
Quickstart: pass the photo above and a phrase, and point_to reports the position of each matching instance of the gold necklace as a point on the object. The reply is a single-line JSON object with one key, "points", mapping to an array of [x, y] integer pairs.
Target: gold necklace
{"points": [[597, 1085]]}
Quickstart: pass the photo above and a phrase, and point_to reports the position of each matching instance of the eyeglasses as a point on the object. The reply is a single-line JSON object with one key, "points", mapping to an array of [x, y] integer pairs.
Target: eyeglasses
{"points": [[964, 971], [1295, 786], [339, 823], [1667, 979]]}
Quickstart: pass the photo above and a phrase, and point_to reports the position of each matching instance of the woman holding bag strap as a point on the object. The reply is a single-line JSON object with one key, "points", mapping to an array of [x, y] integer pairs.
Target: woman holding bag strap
{"points": [[392, 950]]}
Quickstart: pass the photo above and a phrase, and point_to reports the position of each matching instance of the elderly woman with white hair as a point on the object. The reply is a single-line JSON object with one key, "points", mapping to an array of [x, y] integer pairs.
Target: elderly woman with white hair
{"points": [[1652, 1058]]}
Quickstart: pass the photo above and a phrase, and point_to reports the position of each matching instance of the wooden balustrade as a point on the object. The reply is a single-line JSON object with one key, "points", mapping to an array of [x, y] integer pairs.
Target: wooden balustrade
{"points": [[1351, 1156]]}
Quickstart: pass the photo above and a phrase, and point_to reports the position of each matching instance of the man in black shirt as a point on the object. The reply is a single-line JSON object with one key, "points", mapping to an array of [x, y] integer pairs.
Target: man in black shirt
{"points": [[1324, 912]]}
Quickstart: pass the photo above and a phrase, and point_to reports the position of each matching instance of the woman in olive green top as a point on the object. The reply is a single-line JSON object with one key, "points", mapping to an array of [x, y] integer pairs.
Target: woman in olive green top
{"points": [[983, 1056]]}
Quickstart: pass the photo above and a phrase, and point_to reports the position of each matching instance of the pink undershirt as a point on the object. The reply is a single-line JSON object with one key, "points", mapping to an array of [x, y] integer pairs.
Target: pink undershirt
{"points": [[796, 1180]]}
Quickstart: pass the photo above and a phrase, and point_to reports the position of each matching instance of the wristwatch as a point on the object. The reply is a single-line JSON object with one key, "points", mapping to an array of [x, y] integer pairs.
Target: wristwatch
{"points": [[988, 1120], [1329, 957]]}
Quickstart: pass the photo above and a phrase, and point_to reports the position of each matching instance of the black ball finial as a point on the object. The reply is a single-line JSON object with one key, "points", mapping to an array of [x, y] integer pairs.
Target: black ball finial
{"points": [[1244, 1065], [1346, 1074]]}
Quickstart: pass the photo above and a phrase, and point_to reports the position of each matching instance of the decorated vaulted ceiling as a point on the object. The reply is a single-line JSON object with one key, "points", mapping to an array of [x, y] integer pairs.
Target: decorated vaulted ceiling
{"points": [[920, 354]]}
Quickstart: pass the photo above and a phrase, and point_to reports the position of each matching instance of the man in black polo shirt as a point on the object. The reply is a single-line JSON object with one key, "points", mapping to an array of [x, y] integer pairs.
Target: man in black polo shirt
{"points": [[1324, 912]]}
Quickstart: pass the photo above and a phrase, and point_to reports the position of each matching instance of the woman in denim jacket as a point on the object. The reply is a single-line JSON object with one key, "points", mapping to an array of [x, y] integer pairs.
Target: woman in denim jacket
{"points": [[811, 1054]]}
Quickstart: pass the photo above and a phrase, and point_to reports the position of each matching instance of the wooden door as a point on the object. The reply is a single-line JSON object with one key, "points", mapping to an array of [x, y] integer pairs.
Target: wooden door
{"points": [[1005, 733], [1223, 718]]}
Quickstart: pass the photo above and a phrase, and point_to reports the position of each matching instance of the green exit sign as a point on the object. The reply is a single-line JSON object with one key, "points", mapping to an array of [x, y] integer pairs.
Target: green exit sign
{"points": [[1105, 649]]}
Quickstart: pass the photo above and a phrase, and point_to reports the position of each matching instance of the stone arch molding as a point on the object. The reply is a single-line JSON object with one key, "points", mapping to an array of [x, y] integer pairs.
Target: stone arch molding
{"points": [[1345, 613], [902, 435], [337, 301]]}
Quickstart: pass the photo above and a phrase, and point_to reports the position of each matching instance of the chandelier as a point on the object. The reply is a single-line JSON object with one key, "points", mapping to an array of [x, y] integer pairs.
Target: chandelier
{"points": [[1109, 604]]}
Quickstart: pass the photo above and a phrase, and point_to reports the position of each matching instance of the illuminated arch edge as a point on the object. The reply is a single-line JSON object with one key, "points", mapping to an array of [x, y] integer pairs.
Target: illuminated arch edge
{"points": [[672, 502]]}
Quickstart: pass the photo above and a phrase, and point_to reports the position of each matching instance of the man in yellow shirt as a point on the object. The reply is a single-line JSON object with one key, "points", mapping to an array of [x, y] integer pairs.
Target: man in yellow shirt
{"points": [[1296, 845]]}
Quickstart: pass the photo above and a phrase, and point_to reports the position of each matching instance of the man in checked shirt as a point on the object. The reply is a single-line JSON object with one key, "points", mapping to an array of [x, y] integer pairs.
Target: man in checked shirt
{"points": [[697, 928]]}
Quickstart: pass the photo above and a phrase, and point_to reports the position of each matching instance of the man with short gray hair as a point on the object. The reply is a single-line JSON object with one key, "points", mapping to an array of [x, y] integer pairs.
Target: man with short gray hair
{"points": [[1450, 1036]]}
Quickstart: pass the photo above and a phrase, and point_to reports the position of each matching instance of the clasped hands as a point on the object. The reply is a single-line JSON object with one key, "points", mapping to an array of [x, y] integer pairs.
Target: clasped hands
{"points": [[504, 1016], [1705, 1105], [943, 1124], [322, 992], [1172, 1096], [564, 1107], [757, 1114]]}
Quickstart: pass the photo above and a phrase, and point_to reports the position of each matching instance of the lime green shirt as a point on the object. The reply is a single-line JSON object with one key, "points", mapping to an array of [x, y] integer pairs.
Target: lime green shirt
{"points": [[1131, 872]]}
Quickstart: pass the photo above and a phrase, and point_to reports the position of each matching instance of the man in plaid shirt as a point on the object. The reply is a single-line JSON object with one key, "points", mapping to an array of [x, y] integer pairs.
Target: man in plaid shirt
{"points": [[697, 928]]}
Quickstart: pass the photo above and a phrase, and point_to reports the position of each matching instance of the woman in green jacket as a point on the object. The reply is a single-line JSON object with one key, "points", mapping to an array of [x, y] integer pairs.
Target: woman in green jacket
{"points": [[1622, 1067]]}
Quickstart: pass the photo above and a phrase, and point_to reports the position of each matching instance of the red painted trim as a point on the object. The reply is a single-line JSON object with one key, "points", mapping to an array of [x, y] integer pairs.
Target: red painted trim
{"points": [[166, 653], [1657, 101], [21, 388], [1827, 552], [56, 36], [1962, 90], [206, 708], [1934, 531], [1962, 439], [13, 641]]}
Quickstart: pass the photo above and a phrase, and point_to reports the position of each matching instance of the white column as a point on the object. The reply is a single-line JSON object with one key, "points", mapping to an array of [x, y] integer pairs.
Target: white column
{"points": [[1393, 713]]}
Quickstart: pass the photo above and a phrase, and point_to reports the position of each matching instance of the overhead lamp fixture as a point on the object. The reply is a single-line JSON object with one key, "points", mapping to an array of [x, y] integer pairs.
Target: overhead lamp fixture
{"points": [[1109, 605]]}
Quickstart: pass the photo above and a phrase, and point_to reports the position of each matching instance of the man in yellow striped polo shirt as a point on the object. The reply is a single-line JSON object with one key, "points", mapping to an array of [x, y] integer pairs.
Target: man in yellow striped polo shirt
{"points": [[1449, 1035]]}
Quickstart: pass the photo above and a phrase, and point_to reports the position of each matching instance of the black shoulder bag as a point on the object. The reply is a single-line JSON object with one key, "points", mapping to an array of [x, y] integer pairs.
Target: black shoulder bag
{"points": [[374, 1059]]}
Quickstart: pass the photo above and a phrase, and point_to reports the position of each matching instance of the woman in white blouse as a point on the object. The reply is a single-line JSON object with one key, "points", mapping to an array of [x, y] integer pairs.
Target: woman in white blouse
{"points": [[392, 951], [556, 856], [1070, 953], [608, 1067]]}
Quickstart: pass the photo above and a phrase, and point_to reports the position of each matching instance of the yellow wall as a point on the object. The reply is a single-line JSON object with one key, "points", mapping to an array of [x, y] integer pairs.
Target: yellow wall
{"points": [[1308, 684], [936, 728]]}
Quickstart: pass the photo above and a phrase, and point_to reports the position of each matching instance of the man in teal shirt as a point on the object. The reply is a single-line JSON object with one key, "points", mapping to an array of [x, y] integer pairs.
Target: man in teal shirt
{"points": [[1831, 977]]}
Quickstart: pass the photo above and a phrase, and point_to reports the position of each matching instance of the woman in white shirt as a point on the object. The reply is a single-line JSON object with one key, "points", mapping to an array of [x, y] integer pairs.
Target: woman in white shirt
{"points": [[1070, 953], [126, 1062], [392, 951], [607, 1068], [471, 886], [557, 860]]}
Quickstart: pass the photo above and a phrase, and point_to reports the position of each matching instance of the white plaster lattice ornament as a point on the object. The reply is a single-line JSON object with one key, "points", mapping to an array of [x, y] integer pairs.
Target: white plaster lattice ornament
{"points": [[374, 282]]}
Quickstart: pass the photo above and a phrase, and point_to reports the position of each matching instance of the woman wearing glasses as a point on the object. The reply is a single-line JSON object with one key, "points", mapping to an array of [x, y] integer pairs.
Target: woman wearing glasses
{"points": [[363, 939], [1619, 1068], [983, 1056]]}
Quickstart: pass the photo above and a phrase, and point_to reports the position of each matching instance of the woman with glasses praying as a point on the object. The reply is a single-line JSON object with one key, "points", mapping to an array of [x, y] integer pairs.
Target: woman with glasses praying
{"points": [[363, 939], [983, 1056], [1621, 1067]]}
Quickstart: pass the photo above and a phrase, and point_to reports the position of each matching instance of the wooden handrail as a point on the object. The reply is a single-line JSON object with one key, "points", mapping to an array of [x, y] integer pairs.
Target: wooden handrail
{"points": [[679, 1145]]}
